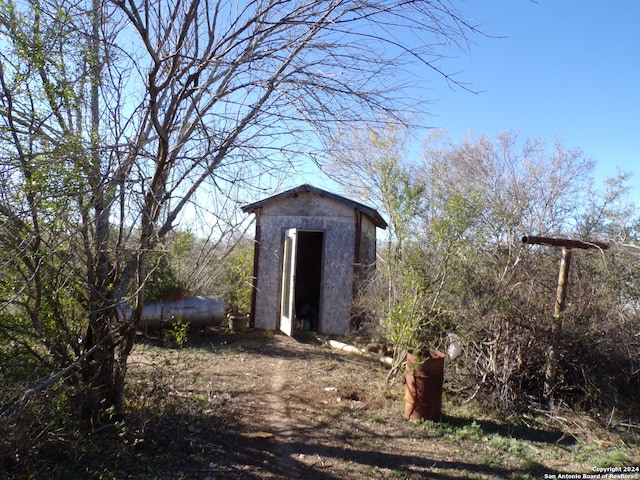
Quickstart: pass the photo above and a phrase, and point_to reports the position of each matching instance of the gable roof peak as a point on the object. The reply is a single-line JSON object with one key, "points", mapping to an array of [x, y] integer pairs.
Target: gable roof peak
{"points": [[370, 212]]}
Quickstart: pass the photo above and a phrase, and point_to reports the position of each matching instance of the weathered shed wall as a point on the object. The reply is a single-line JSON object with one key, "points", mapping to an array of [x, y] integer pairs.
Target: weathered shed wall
{"points": [[308, 212]]}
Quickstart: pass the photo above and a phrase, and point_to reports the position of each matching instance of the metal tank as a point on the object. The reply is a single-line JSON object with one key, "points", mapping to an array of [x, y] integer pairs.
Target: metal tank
{"points": [[197, 311]]}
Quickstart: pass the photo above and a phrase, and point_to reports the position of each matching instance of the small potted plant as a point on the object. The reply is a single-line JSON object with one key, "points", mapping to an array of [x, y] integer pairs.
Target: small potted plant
{"points": [[238, 317], [237, 276]]}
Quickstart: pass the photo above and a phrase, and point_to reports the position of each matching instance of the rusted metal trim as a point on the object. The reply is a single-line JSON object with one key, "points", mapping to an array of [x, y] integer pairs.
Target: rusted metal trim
{"points": [[256, 264], [357, 263]]}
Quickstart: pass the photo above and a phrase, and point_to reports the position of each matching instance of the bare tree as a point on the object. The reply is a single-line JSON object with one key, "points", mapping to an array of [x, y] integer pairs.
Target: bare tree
{"points": [[483, 196], [372, 162], [136, 106]]}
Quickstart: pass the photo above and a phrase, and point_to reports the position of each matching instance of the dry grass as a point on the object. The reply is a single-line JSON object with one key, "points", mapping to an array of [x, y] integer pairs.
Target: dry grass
{"points": [[264, 406]]}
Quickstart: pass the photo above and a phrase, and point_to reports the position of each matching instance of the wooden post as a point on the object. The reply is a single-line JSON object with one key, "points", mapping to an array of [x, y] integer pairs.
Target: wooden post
{"points": [[551, 365], [556, 324]]}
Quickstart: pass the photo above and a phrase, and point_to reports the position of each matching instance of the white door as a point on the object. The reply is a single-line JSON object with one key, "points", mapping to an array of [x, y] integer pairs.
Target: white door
{"points": [[287, 301]]}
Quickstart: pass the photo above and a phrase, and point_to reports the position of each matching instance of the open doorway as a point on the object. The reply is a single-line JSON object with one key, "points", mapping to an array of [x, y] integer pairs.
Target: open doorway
{"points": [[308, 280], [302, 281]]}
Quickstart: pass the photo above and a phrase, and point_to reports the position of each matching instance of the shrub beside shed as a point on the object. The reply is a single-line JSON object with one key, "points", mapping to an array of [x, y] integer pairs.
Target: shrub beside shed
{"points": [[312, 249]]}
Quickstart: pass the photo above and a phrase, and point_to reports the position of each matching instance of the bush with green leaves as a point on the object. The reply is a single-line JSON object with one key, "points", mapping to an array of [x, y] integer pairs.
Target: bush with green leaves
{"points": [[164, 283], [237, 278]]}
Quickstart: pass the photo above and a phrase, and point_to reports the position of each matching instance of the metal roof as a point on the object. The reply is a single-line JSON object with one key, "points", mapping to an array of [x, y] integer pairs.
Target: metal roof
{"points": [[375, 217]]}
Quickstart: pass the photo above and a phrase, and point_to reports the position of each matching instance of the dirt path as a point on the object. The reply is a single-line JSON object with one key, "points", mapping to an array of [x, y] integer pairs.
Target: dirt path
{"points": [[259, 406], [267, 407], [278, 420]]}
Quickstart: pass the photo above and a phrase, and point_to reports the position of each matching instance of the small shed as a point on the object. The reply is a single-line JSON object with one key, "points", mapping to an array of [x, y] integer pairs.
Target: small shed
{"points": [[312, 250]]}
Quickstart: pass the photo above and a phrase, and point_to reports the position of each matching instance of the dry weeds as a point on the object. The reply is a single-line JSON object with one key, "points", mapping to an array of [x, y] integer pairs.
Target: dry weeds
{"points": [[266, 406]]}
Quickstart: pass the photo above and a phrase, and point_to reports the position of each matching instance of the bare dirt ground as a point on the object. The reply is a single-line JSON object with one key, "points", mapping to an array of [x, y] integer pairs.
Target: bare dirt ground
{"points": [[265, 406]]}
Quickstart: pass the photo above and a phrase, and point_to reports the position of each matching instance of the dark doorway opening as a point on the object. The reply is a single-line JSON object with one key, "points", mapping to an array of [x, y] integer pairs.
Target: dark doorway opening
{"points": [[308, 280]]}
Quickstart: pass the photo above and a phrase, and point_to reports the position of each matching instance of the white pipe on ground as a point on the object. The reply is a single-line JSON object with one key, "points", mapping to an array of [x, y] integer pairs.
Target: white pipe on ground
{"points": [[387, 361]]}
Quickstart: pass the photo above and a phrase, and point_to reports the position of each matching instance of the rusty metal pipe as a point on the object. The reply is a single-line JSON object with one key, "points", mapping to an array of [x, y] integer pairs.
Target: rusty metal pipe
{"points": [[563, 242]]}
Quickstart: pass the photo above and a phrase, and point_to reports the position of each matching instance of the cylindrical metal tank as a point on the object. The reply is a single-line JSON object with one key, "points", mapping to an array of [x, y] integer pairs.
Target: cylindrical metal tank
{"points": [[196, 311]]}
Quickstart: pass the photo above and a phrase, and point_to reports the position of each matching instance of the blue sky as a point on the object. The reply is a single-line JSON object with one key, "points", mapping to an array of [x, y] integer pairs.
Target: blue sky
{"points": [[566, 68]]}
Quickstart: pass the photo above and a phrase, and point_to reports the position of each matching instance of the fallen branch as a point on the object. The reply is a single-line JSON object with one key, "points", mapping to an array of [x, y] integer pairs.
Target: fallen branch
{"points": [[387, 361]]}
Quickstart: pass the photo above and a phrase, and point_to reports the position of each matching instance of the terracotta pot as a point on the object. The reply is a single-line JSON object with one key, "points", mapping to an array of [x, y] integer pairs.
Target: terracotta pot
{"points": [[238, 323]]}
